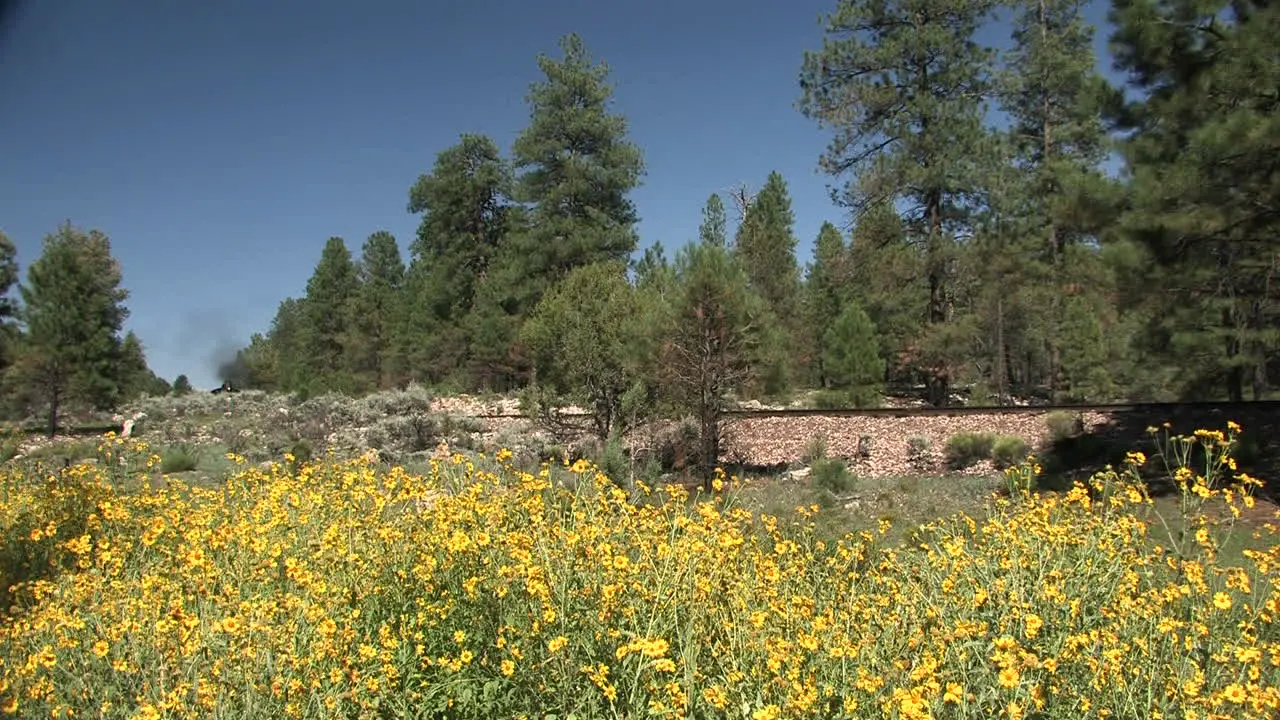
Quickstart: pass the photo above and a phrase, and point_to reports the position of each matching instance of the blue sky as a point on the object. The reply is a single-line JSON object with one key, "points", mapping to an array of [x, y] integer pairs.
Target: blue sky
{"points": [[220, 144]]}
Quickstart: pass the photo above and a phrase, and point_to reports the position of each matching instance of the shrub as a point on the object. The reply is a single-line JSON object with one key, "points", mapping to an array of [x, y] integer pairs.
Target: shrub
{"points": [[180, 458], [967, 448], [1009, 450], [832, 475], [404, 433], [613, 462], [815, 450], [1063, 424], [918, 450]]}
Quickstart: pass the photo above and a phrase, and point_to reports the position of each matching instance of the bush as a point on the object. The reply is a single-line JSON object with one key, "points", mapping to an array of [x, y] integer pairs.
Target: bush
{"points": [[815, 450], [832, 475], [1009, 450], [918, 450], [1063, 424], [404, 433], [179, 459], [968, 448]]}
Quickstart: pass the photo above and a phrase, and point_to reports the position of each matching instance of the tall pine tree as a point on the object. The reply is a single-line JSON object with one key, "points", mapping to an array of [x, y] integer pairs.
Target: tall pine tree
{"points": [[901, 84], [1201, 151], [577, 169], [73, 309], [325, 330], [466, 216], [373, 313], [713, 230], [1054, 96]]}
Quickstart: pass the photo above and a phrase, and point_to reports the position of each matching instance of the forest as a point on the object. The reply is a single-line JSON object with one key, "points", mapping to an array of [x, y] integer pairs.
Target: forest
{"points": [[966, 260]]}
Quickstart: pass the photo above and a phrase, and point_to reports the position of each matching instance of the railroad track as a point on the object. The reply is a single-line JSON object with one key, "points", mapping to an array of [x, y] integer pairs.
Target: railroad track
{"points": [[1118, 408]]}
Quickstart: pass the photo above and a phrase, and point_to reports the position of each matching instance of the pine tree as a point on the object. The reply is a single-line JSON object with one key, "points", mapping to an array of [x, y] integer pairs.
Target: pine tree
{"points": [[181, 386], [1054, 95], [374, 308], [73, 309], [466, 217], [851, 358], [884, 271], [766, 246], [713, 230], [827, 289], [1201, 146], [325, 325], [901, 83], [576, 171], [9, 331], [712, 344], [136, 378], [579, 335]]}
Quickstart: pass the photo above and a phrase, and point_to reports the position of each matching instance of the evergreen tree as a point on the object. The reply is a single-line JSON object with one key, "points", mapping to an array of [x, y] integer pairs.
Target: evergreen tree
{"points": [[712, 343], [713, 230], [827, 290], [576, 171], [579, 336], [1054, 96], [901, 84], [73, 308], [374, 308], [851, 358], [136, 378], [1200, 149], [326, 319], [466, 217], [9, 331], [765, 248], [651, 265], [884, 271], [181, 386]]}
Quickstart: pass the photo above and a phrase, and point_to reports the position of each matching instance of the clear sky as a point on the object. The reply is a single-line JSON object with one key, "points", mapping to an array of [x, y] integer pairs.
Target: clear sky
{"points": [[220, 144]]}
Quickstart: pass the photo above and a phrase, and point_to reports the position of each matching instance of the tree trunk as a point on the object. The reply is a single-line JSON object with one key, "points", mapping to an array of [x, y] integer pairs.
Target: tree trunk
{"points": [[1000, 352], [938, 386], [54, 402], [1055, 247]]}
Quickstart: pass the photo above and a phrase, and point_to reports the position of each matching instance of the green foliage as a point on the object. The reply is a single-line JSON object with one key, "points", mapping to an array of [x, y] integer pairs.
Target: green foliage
{"points": [[466, 216], [136, 379], [181, 386], [918, 448], [1063, 424], [904, 101], [1008, 451], [579, 337], [851, 358], [576, 170], [325, 328], [180, 458], [765, 246], [832, 475], [966, 448], [9, 310], [713, 230], [714, 341], [374, 307], [815, 449], [1200, 138], [73, 309], [827, 289]]}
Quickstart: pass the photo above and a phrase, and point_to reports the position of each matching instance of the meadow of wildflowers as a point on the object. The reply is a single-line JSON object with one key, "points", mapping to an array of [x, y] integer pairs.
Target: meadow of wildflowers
{"points": [[482, 591]]}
